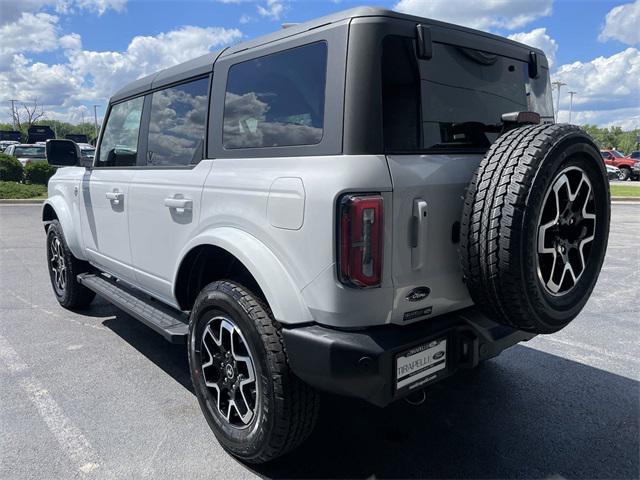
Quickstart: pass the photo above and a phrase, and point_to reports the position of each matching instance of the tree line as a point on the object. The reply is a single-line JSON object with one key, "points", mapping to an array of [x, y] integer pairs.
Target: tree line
{"points": [[61, 128], [606, 138]]}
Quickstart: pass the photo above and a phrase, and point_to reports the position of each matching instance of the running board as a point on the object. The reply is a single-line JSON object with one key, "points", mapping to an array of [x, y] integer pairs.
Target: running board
{"points": [[171, 324]]}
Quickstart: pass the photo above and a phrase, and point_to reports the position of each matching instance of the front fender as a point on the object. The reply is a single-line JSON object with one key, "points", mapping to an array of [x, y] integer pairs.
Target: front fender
{"points": [[277, 285], [70, 226]]}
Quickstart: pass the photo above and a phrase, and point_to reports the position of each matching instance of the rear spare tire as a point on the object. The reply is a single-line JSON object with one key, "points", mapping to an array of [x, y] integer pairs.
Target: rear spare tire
{"points": [[535, 226]]}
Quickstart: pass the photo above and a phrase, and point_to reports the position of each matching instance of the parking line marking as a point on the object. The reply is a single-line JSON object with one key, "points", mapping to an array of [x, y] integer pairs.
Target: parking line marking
{"points": [[69, 437]]}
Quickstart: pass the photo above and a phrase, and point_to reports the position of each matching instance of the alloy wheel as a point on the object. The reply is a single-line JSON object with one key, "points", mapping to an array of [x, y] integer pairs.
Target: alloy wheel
{"points": [[58, 265], [228, 370], [566, 230]]}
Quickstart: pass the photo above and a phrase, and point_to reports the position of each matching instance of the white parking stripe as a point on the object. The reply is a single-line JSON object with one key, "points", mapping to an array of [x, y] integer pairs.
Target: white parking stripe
{"points": [[73, 442]]}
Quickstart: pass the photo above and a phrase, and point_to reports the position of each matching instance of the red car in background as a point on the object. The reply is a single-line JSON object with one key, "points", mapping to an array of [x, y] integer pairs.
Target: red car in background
{"points": [[629, 167]]}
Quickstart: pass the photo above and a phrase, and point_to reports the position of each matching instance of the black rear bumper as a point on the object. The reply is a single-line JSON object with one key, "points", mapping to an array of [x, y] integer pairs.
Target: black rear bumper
{"points": [[362, 363]]}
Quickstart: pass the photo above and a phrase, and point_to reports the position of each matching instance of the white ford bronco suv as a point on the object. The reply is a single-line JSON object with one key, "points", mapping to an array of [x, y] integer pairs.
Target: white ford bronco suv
{"points": [[363, 204]]}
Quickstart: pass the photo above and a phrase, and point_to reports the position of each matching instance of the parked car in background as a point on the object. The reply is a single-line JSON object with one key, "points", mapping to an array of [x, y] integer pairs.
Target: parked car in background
{"points": [[635, 155], [5, 143], [27, 153], [87, 153], [613, 173], [629, 168]]}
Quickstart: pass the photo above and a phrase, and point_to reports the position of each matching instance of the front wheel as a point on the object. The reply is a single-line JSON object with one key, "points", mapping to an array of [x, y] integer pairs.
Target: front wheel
{"points": [[255, 406], [64, 269]]}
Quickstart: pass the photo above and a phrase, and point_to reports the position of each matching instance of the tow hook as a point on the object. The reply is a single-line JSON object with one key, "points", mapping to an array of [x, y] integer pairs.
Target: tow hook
{"points": [[416, 398]]}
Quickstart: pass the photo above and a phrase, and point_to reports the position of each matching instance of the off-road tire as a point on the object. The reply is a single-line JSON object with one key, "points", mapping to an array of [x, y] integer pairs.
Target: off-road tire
{"points": [[74, 295], [502, 207], [288, 408]]}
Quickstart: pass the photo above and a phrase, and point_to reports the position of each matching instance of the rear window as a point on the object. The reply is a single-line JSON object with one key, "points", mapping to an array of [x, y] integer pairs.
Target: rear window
{"points": [[29, 151], [454, 100], [276, 100]]}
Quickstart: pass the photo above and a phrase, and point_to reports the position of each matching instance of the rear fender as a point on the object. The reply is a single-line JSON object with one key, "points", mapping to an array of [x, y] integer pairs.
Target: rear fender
{"points": [[277, 285]]}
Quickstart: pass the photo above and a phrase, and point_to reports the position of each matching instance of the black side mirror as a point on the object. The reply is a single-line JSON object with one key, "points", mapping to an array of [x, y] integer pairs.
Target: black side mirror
{"points": [[63, 153]]}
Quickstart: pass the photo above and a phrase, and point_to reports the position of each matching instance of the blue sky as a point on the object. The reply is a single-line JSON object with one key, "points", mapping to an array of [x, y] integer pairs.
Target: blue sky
{"points": [[71, 54]]}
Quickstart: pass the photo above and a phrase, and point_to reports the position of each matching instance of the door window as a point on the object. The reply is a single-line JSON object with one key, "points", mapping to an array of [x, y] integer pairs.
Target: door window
{"points": [[177, 124], [276, 100], [119, 146]]}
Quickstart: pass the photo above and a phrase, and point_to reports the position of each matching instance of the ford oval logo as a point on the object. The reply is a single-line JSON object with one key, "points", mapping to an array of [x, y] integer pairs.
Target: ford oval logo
{"points": [[418, 294], [438, 355]]}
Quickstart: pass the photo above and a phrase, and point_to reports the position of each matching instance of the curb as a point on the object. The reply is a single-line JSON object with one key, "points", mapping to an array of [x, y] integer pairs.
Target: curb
{"points": [[21, 201], [625, 199]]}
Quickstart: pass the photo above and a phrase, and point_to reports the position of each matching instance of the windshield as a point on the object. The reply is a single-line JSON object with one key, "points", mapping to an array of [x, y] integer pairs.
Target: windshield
{"points": [[29, 152], [617, 154]]}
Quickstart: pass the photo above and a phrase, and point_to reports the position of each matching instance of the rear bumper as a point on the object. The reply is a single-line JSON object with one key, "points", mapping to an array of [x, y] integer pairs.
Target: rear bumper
{"points": [[362, 363]]}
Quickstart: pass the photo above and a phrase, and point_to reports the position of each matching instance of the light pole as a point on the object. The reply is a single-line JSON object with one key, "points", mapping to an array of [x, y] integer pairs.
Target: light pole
{"points": [[13, 113], [95, 120], [571, 104], [558, 85]]}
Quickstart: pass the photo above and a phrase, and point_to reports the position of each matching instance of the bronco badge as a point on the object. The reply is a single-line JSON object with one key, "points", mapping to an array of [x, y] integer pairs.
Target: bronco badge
{"points": [[418, 294]]}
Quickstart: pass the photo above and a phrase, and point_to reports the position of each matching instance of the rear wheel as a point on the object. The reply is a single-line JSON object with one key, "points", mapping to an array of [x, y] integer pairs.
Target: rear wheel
{"points": [[255, 406], [535, 227], [64, 269]]}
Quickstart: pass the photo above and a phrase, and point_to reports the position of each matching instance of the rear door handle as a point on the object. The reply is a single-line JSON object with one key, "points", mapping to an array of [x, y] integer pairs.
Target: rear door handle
{"points": [[182, 203], [114, 196], [418, 233]]}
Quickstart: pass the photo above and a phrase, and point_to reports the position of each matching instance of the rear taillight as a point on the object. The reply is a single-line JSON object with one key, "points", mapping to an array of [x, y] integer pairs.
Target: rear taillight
{"points": [[360, 236]]}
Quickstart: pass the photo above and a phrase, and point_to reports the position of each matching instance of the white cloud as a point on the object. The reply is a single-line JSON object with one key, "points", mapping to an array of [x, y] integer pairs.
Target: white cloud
{"points": [[50, 84], [29, 33], [538, 38], [70, 42], [244, 19], [607, 89], [13, 9], [622, 23], [273, 9], [625, 118], [145, 54], [482, 14], [93, 76]]}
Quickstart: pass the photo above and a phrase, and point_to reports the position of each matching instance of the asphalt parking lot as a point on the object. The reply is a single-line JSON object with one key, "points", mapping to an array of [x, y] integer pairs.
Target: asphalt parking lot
{"points": [[98, 395]]}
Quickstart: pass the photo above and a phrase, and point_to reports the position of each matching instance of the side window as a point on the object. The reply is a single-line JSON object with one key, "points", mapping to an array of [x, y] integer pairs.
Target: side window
{"points": [[177, 124], [119, 146], [276, 100]]}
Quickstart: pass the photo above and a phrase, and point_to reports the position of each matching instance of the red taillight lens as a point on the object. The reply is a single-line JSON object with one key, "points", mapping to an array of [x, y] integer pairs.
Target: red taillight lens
{"points": [[360, 235]]}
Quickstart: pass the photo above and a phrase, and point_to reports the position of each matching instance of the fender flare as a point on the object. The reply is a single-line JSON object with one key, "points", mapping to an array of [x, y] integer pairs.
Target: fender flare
{"points": [[71, 233], [280, 290]]}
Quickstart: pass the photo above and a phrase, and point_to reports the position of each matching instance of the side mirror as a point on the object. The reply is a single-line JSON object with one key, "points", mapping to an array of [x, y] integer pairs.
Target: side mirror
{"points": [[63, 153]]}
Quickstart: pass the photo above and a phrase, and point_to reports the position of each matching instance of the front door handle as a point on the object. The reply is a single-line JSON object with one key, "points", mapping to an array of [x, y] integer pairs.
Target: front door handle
{"points": [[181, 203], [115, 196]]}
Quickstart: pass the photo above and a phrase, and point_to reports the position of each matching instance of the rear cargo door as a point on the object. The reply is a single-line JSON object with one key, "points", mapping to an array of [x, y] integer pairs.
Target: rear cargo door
{"points": [[434, 111]]}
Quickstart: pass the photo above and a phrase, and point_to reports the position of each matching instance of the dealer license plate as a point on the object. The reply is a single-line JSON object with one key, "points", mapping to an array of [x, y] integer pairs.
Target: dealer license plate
{"points": [[419, 365]]}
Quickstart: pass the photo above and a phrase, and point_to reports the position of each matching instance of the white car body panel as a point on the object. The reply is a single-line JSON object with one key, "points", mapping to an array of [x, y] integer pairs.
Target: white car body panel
{"points": [[157, 230]]}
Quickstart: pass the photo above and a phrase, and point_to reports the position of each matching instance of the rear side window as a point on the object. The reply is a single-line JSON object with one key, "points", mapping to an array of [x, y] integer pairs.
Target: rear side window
{"points": [[119, 146], [177, 124], [276, 100]]}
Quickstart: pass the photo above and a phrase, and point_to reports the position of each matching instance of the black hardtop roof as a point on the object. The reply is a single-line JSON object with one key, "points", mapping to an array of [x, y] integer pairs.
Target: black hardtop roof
{"points": [[204, 64]]}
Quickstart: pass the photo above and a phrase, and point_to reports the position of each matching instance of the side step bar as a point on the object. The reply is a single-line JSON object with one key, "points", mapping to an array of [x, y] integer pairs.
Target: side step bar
{"points": [[169, 323]]}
